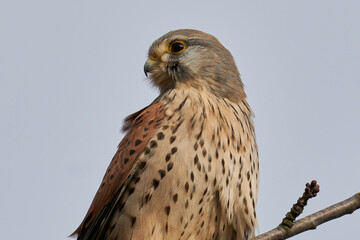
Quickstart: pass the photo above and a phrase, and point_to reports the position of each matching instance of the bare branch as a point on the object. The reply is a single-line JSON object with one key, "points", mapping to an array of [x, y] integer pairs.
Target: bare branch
{"points": [[337, 210]]}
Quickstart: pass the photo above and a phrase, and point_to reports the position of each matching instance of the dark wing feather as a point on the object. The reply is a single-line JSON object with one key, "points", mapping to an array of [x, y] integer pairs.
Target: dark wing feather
{"points": [[141, 126]]}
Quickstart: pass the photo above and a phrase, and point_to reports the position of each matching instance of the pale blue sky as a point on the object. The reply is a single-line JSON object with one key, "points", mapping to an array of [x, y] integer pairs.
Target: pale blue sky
{"points": [[70, 71]]}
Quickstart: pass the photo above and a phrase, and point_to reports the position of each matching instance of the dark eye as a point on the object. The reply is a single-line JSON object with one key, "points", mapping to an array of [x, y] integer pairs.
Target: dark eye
{"points": [[176, 47]]}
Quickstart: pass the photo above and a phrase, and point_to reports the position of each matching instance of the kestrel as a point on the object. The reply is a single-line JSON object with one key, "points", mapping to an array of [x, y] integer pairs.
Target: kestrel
{"points": [[188, 166]]}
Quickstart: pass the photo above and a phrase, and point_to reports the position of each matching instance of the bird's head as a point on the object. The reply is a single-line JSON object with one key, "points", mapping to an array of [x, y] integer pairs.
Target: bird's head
{"points": [[192, 58]]}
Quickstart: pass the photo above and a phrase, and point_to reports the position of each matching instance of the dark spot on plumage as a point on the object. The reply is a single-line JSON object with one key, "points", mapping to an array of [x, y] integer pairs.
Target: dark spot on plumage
{"points": [[186, 187], [201, 131], [162, 173], [200, 210], [170, 166], [177, 126], [131, 191], [245, 201], [205, 191], [137, 142], [133, 220], [137, 179], [153, 144], [172, 139], [167, 210], [131, 152], [111, 176], [201, 142], [126, 160], [198, 166], [246, 210], [165, 127], [167, 157], [151, 122], [175, 198], [204, 152], [195, 146], [223, 166], [181, 104], [173, 150], [166, 227], [155, 183], [186, 203], [147, 198], [248, 175], [232, 132], [160, 136], [196, 159], [192, 176], [142, 164]]}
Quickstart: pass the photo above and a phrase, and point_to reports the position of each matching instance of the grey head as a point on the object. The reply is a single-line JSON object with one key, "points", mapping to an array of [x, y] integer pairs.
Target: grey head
{"points": [[191, 58]]}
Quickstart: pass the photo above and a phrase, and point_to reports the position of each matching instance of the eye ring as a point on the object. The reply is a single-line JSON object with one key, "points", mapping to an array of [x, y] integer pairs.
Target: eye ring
{"points": [[176, 47]]}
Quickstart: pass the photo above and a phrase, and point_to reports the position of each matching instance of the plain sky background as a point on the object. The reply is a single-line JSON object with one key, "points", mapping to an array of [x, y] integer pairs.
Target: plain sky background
{"points": [[70, 71]]}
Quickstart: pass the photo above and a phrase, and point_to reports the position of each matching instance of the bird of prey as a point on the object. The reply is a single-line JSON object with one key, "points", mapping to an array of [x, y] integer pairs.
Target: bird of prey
{"points": [[188, 165]]}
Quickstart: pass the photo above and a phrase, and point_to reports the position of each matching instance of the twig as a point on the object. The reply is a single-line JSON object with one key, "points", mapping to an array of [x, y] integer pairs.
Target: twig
{"points": [[337, 210], [311, 191]]}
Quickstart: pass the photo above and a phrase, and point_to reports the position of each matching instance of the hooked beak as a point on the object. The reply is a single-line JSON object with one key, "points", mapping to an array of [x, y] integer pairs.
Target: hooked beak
{"points": [[148, 66]]}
